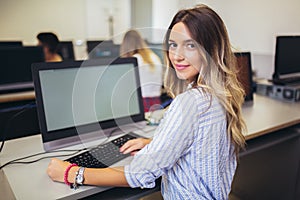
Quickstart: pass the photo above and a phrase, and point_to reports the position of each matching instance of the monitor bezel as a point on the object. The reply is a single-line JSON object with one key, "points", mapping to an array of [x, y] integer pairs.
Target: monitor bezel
{"points": [[70, 135]]}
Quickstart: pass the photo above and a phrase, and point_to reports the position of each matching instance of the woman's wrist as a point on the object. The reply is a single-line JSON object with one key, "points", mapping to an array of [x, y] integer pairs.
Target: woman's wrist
{"points": [[72, 174]]}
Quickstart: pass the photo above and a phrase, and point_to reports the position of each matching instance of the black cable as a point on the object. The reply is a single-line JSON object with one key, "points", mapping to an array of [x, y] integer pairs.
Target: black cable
{"points": [[7, 126], [15, 161]]}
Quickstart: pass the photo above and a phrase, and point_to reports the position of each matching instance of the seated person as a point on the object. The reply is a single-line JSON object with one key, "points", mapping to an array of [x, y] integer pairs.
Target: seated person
{"points": [[49, 42], [150, 68]]}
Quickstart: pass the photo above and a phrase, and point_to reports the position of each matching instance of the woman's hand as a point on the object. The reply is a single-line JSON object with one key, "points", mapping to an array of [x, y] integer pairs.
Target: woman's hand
{"points": [[132, 146], [56, 169]]}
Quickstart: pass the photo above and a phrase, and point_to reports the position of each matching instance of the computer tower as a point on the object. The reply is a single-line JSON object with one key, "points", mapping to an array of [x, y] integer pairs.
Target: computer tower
{"points": [[282, 92]]}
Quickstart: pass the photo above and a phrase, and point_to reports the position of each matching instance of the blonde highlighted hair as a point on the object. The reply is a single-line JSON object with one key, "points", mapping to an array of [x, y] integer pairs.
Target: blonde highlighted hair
{"points": [[218, 72], [133, 43]]}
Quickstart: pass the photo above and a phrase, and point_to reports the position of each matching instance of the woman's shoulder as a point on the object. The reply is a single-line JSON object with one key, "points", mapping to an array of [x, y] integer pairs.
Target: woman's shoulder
{"points": [[192, 93], [138, 56], [196, 96]]}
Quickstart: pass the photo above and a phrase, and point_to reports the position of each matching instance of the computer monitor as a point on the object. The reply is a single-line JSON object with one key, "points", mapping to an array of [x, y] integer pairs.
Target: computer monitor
{"points": [[91, 44], [245, 74], [66, 50], [105, 49], [85, 100], [11, 44], [15, 67], [287, 59]]}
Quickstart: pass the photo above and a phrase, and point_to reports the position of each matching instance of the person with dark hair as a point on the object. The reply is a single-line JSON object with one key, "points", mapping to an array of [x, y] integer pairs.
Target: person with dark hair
{"points": [[49, 42], [195, 147]]}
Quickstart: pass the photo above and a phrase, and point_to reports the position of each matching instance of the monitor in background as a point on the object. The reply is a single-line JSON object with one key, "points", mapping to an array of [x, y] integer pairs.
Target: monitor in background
{"points": [[66, 51], [15, 69], [91, 44], [105, 49], [11, 44], [287, 59], [86, 100], [245, 74]]}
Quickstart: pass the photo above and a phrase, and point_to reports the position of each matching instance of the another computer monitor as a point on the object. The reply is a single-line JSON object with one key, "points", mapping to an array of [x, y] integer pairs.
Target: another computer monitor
{"points": [[245, 74], [86, 100], [66, 50], [287, 59], [15, 67], [105, 49], [102, 49], [91, 44], [11, 44]]}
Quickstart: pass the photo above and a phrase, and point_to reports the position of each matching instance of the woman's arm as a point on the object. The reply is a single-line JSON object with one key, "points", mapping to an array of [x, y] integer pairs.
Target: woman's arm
{"points": [[92, 176], [100, 176]]}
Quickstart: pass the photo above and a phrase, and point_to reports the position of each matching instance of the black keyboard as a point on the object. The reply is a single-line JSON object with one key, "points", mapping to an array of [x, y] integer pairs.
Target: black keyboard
{"points": [[103, 155]]}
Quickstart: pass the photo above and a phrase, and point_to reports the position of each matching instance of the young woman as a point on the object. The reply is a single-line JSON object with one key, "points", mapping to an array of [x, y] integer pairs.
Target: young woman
{"points": [[195, 146], [150, 67]]}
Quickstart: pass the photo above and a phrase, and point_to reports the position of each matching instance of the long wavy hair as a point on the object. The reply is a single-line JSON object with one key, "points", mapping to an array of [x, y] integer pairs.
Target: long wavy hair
{"points": [[133, 43], [218, 72]]}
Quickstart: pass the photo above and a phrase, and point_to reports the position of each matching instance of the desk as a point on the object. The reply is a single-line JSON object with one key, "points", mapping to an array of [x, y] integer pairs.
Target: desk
{"points": [[31, 181], [19, 96]]}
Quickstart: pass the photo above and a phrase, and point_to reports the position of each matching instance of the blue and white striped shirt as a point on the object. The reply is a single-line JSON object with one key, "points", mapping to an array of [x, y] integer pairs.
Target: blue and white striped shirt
{"points": [[190, 149]]}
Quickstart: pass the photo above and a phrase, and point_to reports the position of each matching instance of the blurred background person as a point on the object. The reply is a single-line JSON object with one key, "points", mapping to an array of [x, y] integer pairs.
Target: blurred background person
{"points": [[49, 42], [150, 68]]}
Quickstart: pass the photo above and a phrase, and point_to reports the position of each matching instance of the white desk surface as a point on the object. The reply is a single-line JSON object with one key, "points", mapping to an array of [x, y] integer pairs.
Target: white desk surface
{"points": [[267, 115], [30, 181]]}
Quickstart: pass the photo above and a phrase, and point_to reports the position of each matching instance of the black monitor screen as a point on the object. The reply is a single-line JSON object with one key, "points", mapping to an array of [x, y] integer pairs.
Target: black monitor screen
{"points": [[102, 49], [91, 44], [11, 44], [16, 63], [66, 51], [287, 55]]}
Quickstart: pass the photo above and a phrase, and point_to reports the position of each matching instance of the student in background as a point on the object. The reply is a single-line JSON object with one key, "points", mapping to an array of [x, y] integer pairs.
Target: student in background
{"points": [[150, 67], [49, 42], [195, 146]]}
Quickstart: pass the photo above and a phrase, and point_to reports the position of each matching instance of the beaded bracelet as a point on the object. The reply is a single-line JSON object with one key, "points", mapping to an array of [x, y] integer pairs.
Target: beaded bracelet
{"points": [[67, 173]]}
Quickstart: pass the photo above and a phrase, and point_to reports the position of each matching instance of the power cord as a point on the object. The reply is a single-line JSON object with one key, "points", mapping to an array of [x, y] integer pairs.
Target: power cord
{"points": [[75, 151], [17, 161]]}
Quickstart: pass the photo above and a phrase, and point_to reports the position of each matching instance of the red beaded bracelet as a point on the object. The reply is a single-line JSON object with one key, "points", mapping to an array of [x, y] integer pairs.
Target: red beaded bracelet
{"points": [[67, 173]]}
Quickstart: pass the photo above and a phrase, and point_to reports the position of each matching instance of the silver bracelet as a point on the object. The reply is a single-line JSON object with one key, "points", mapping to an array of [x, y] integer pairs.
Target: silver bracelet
{"points": [[79, 178]]}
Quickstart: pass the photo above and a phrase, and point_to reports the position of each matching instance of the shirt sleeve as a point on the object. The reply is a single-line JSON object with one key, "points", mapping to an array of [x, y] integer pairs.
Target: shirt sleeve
{"points": [[171, 140]]}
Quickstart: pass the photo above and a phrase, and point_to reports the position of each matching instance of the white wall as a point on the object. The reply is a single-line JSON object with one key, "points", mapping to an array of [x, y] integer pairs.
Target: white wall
{"points": [[24, 19], [98, 13], [75, 20], [163, 12], [252, 25]]}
